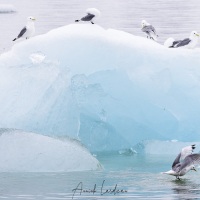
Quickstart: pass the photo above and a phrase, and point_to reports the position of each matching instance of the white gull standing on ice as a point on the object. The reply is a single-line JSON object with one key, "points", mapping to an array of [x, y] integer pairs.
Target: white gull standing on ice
{"points": [[92, 13], [189, 43], [184, 162], [149, 30], [28, 30]]}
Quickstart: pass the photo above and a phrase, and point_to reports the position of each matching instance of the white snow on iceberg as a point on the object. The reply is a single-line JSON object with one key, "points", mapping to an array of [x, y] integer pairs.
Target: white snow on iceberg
{"points": [[7, 8], [108, 88], [30, 152]]}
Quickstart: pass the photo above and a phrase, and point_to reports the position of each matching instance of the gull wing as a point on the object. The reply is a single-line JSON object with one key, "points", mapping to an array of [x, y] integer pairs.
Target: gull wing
{"points": [[22, 32], [88, 17], [146, 29], [153, 29], [193, 159], [149, 29], [175, 43], [176, 161], [187, 151], [183, 42], [182, 155]]}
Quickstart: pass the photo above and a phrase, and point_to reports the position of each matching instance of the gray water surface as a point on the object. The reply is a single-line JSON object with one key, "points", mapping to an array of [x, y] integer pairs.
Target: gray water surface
{"points": [[138, 175]]}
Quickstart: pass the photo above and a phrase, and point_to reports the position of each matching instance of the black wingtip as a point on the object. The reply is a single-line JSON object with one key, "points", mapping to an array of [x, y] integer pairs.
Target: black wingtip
{"points": [[77, 20], [193, 146]]}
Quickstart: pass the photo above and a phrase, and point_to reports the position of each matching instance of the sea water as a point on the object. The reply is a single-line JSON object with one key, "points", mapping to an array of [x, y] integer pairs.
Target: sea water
{"points": [[136, 176], [123, 177]]}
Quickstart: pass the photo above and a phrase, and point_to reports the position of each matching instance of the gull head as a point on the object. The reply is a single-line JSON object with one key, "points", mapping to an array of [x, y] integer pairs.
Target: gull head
{"points": [[194, 34], [144, 23], [31, 18], [93, 11]]}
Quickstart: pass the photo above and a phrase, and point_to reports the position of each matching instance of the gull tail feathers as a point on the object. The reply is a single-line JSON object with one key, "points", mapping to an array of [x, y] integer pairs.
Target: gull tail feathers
{"points": [[169, 42]]}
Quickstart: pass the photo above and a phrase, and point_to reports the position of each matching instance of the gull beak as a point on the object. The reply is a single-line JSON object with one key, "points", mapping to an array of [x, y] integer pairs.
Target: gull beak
{"points": [[33, 19], [197, 34], [194, 169]]}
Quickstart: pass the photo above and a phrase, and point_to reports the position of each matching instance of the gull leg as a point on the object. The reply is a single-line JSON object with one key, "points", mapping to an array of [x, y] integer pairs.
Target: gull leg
{"points": [[177, 178], [92, 22], [77, 20]]}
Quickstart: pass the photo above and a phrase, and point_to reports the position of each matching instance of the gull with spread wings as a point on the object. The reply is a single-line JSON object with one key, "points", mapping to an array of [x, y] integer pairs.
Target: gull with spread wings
{"points": [[184, 162]]}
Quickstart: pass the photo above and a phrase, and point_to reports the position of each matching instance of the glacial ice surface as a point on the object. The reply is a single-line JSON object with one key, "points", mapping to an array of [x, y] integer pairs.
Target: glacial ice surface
{"points": [[169, 147], [107, 88], [29, 152]]}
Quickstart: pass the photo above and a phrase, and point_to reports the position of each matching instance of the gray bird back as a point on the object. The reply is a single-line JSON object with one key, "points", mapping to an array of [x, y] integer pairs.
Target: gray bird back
{"points": [[88, 17], [22, 32], [176, 161], [183, 42], [148, 29]]}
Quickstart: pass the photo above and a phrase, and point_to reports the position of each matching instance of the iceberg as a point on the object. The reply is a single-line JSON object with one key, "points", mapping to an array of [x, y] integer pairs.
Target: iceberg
{"points": [[162, 148], [29, 152], [7, 8], [107, 88]]}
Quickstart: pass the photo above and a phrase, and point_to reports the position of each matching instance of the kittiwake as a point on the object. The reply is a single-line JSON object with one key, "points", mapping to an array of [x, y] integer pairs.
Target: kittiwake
{"points": [[149, 30], [184, 162], [28, 30], [92, 13], [189, 43]]}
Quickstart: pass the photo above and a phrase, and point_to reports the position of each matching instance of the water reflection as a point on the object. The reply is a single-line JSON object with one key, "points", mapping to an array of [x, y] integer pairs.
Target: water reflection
{"points": [[185, 189]]}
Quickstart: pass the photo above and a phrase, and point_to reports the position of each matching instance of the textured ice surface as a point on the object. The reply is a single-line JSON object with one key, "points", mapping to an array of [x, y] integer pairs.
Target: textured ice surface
{"points": [[29, 152], [108, 88], [37, 57]]}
